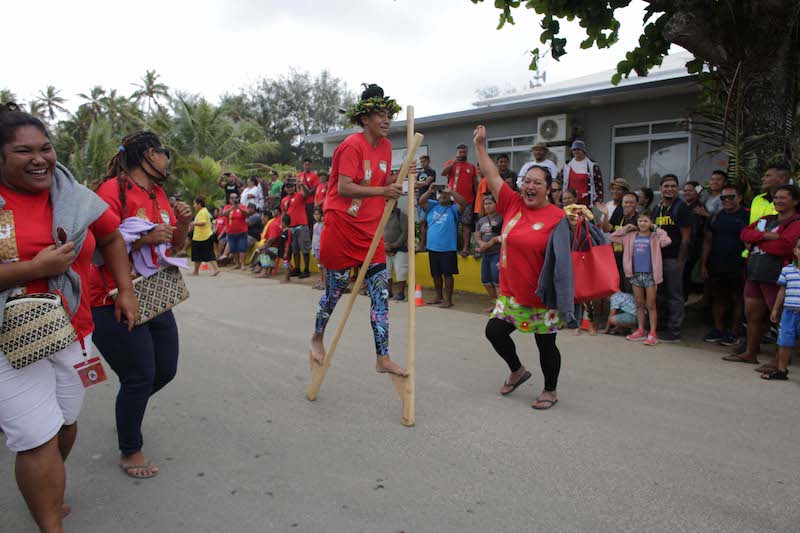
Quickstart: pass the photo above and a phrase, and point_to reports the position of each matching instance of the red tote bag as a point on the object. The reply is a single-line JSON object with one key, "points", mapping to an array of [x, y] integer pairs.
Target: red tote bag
{"points": [[593, 266]]}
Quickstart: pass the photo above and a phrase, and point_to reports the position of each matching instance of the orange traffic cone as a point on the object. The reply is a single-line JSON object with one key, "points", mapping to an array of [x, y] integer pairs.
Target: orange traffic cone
{"points": [[418, 297], [585, 322]]}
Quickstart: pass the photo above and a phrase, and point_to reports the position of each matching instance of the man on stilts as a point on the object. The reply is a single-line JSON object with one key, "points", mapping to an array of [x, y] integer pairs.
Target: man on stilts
{"points": [[357, 192]]}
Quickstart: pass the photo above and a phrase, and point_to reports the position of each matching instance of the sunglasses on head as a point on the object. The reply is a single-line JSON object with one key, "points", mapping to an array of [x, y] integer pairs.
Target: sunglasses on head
{"points": [[164, 151], [724, 197]]}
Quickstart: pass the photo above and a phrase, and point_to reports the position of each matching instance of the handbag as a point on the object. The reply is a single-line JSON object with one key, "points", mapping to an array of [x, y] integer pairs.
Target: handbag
{"points": [[34, 326], [593, 266], [158, 293]]}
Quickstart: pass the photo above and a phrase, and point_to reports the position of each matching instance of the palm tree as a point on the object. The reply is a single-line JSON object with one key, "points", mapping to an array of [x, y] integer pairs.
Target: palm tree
{"points": [[122, 113], [51, 102], [94, 100], [150, 90], [36, 109], [7, 96]]}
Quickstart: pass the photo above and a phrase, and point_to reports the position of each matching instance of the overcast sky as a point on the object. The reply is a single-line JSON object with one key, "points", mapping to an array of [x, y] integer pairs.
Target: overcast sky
{"points": [[430, 53]]}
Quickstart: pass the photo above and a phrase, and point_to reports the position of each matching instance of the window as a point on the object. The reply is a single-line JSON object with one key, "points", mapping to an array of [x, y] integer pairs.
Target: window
{"points": [[517, 147], [642, 153]]}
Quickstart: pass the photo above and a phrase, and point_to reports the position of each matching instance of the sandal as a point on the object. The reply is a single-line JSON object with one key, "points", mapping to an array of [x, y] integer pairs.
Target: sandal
{"points": [[525, 377], [550, 403], [736, 358], [778, 375], [127, 469]]}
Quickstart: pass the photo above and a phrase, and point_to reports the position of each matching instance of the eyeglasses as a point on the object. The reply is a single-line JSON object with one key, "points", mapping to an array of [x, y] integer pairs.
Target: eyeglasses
{"points": [[164, 151], [725, 197]]}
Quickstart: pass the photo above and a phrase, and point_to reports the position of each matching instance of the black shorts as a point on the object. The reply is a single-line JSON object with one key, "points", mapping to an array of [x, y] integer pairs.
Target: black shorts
{"points": [[443, 263], [726, 282]]}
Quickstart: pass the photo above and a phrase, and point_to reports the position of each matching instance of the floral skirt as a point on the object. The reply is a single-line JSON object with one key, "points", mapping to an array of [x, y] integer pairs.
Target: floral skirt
{"points": [[527, 319]]}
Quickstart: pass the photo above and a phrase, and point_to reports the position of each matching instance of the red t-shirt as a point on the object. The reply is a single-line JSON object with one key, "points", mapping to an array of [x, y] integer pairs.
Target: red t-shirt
{"points": [[237, 220], [138, 203], [319, 196], [525, 235], [351, 223], [461, 177], [273, 231], [33, 231], [295, 207], [310, 180], [222, 222]]}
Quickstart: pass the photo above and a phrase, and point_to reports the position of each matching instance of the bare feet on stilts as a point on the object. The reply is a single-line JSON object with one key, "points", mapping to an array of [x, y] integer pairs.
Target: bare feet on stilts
{"points": [[387, 366], [317, 349]]}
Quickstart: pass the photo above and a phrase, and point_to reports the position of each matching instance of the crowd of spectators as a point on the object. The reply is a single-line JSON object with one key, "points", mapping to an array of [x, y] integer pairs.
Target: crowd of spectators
{"points": [[684, 246]]}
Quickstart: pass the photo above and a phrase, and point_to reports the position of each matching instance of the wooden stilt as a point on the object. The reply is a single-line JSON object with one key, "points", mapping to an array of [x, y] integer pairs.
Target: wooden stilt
{"points": [[406, 386], [318, 371]]}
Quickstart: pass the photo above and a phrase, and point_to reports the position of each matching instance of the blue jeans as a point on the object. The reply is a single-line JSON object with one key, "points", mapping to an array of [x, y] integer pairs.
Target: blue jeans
{"points": [[490, 269], [145, 360]]}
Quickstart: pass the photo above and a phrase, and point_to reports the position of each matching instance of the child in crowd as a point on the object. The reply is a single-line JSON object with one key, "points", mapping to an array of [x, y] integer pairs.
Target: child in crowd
{"points": [[267, 246], [788, 300], [318, 222], [641, 261], [622, 316], [487, 238], [285, 246]]}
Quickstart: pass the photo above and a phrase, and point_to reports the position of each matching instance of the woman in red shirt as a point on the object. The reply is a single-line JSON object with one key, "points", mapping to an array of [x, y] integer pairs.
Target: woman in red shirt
{"points": [[528, 220], [357, 194], [39, 403], [146, 358]]}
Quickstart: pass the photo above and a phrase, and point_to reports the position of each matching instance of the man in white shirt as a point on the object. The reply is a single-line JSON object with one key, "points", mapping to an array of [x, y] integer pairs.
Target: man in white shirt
{"points": [[539, 152]]}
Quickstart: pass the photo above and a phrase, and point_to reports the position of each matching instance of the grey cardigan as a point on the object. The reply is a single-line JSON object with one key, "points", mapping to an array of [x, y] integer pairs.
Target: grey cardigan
{"points": [[75, 208]]}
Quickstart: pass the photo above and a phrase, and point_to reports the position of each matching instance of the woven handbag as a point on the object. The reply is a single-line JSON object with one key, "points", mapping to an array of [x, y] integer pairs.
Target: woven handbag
{"points": [[158, 293], [34, 326]]}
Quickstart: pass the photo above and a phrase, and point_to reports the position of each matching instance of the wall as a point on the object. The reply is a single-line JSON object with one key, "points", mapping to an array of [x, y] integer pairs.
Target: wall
{"points": [[596, 120]]}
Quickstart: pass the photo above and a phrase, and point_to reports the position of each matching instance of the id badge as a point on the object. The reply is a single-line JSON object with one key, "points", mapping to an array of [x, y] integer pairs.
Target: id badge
{"points": [[91, 372]]}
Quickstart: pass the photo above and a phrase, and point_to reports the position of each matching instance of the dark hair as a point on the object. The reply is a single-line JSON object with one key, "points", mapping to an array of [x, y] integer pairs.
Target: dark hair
{"points": [[12, 118], [489, 196], [645, 214], [322, 173], [648, 193], [130, 155], [573, 192], [424, 157], [267, 213], [781, 166], [792, 189], [252, 206], [371, 90], [693, 183], [669, 177], [548, 177], [632, 194], [253, 179], [503, 156], [200, 200], [318, 208], [721, 173], [307, 160], [734, 187], [286, 219]]}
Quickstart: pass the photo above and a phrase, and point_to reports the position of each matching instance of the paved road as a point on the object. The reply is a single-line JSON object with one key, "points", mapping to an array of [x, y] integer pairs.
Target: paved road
{"points": [[662, 439]]}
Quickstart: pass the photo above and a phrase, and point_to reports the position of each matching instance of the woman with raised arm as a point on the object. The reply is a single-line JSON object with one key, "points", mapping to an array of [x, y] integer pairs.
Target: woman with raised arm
{"points": [[528, 220], [357, 192]]}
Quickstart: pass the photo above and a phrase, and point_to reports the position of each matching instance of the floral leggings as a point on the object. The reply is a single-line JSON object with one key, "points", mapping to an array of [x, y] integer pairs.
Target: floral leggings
{"points": [[377, 282]]}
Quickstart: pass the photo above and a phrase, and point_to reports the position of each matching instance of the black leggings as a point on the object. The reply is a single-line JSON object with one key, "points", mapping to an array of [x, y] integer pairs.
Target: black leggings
{"points": [[499, 334]]}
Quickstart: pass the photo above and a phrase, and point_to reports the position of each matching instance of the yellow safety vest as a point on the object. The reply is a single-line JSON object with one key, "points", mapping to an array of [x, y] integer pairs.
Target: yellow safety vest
{"points": [[761, 207]]}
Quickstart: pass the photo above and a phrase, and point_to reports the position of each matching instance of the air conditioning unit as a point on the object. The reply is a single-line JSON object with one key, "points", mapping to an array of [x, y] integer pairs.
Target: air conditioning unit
{"points": [[558, 155], [552, 129]]}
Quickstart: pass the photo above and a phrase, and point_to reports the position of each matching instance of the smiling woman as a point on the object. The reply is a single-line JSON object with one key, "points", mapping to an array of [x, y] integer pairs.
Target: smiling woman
{"points": [[529, 219], [359, 186], [40, 202]]}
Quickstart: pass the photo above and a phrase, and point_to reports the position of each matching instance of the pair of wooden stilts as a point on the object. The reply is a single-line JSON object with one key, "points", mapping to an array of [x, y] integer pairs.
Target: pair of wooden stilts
{"points": [[403, 385]]}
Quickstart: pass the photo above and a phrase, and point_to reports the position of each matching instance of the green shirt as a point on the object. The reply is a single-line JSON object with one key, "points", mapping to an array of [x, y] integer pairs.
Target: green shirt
{"points": [[275, 188]]}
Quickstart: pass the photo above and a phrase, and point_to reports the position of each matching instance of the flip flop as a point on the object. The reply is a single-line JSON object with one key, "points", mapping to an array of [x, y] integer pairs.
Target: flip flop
{"points": [[735, 358], [127, 469], [525, 377], [550, 403]]}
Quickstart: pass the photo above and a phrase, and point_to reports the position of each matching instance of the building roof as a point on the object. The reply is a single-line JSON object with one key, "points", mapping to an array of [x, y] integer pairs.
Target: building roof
{"points": [[594, 89]]}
